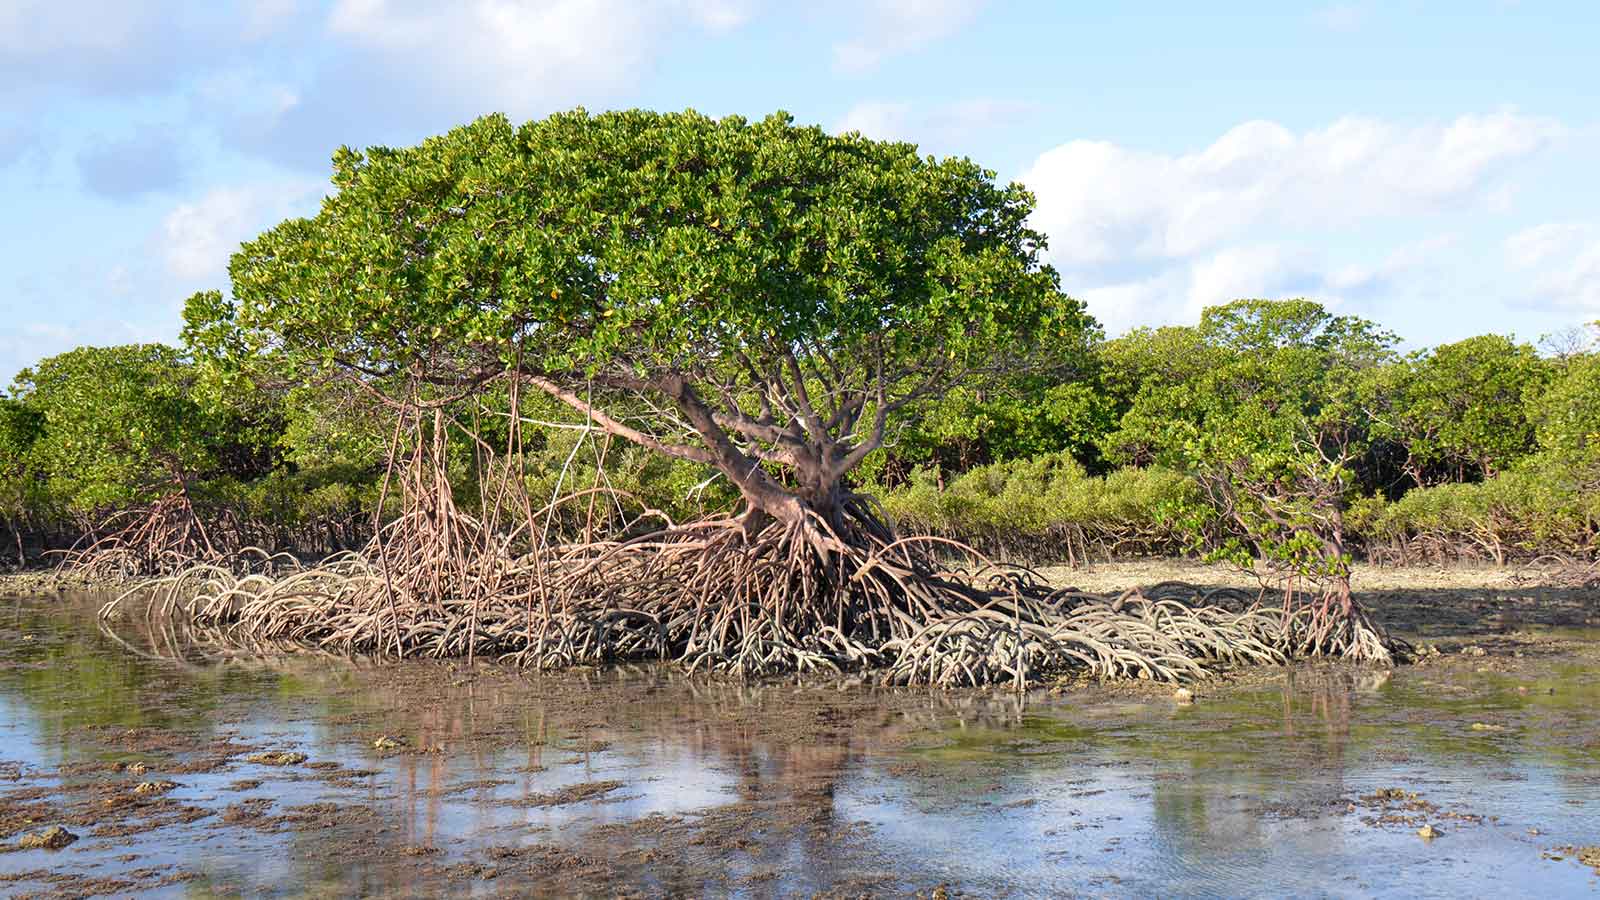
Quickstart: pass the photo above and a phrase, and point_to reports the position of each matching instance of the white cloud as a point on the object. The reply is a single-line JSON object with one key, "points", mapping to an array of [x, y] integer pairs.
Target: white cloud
{"points": [[1100, 202], [27, 343], [38, 27], [1262, 210], [517, 56], [1121, 305], [879, 120], [111, 46], [1180, 291], [263, 17], [1564, 262], [893, 27], [248, 104], [1261, 270], [394, 71], [197, 237], [1405, 259]]}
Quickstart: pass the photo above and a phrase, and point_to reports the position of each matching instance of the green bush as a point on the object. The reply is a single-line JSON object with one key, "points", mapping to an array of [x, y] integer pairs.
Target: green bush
{"points": [[1047, 507], [1541, 507]]}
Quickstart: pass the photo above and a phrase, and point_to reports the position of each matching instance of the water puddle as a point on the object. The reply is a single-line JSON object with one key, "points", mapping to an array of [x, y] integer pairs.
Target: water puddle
{"points": [[426, 777]]}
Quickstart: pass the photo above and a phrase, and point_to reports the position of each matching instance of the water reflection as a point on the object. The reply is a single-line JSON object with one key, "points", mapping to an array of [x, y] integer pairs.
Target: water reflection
{"points": [[583, 782]]}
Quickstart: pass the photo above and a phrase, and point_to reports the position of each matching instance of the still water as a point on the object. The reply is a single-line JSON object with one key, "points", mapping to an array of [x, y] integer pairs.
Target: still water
{"points": [[423, 778]]}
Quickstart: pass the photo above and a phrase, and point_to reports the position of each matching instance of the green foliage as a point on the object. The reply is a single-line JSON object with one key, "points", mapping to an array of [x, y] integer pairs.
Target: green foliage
{"points": [[1274, 488], [1290, 362], [313, 510], [1047, 507], [666, 256], [1458, 409], [1260, 413], [119, 426], [20, 486], [815, 296], [1547, 502], [570, 461], [330, 424], [1267, 326], [1540, 507], [639, 238], [1567, 414], [1146, 378], [967, 427]]}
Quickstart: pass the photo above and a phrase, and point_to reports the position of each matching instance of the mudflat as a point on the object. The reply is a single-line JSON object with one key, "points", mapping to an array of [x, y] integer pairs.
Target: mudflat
{"points": [[175, 762]]}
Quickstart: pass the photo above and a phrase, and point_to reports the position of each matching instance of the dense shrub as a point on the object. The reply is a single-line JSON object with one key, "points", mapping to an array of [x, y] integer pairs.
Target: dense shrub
{"points": [[1458, 411], [1046, 508], [1237, 437], [1540, 508]]}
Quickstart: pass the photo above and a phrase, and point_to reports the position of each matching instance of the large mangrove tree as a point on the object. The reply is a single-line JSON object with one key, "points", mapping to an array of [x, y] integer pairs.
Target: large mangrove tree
{"points": [[763, 300]]}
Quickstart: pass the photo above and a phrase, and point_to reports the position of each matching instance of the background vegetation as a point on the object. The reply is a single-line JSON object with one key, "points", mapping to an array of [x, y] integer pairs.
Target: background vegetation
{"points": [[1227, 439]]}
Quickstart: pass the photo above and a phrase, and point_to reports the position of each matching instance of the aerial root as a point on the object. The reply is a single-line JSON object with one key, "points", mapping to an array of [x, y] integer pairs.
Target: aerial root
{"points": [[809, 598], [164, 537]]}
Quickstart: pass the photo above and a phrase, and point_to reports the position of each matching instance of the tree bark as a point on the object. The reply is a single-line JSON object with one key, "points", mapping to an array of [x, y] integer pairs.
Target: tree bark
{"points": [[817, 461]]}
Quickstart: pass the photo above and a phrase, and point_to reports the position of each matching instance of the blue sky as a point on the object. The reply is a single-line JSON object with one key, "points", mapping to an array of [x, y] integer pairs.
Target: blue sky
{"points": [[1429, 165]]}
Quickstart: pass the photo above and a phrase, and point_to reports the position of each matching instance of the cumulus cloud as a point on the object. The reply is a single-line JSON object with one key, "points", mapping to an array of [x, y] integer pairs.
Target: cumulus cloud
{"points": [[877, 119], [1099, 201], [197, 237], [1563, 260], [893, 27], [397, 70], [291, 80], [1179, 293], [516, 55], [1237, 217], [110, 47]]}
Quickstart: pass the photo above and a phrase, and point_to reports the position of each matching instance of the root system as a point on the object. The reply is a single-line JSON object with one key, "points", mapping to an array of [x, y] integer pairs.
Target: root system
{"points": [[713, 597]]}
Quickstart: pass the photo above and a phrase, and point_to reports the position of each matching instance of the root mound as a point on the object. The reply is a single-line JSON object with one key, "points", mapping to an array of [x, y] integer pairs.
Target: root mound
{"points": [[713, 596]]}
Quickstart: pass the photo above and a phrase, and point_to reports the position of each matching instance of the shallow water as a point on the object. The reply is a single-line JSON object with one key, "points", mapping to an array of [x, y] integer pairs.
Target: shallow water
{"points": [[645, 781]]}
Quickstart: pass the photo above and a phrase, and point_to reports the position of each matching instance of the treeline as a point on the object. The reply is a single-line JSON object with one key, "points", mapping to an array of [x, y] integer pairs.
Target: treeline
{"points": [[1485, 448], [1229, 438]]}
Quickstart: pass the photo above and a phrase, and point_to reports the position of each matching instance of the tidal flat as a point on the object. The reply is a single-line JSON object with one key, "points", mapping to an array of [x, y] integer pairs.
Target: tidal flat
{"points": [[180, 766]]}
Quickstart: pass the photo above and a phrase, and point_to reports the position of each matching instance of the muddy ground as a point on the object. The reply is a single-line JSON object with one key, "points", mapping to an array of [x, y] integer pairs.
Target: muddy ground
{"points": [[1456, 600], [342, 776]]}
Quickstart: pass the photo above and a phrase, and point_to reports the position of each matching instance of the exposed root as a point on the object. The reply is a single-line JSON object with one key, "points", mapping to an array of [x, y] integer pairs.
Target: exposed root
{"points": [[1563, 570], [165, 537], [1326, 620], [814, 597]]}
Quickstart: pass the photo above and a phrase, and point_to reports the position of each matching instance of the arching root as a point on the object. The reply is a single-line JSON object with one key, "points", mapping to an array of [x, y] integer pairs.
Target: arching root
{"points": [[918, 611], [164, 537]]}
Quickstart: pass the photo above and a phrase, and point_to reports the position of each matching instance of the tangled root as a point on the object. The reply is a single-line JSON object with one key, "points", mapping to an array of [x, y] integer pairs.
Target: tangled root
{"points": [[1327, 621], [163, 538], [714, 597], [1562, 570]]}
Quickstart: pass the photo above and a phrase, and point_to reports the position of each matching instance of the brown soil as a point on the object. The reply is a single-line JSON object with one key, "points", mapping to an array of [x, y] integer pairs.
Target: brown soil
{"points": [[1453, 601]]}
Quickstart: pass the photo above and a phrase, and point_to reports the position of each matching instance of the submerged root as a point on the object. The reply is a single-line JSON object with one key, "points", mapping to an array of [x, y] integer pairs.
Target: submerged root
{"points": [[813, 597]]}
